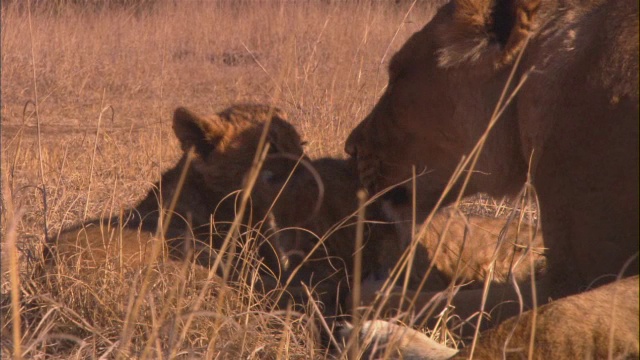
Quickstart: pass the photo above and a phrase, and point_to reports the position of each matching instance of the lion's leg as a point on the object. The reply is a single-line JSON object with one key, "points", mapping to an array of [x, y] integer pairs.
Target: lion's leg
{"points": [[598, 324], [382, 339], [502, 302], [601, 323]]}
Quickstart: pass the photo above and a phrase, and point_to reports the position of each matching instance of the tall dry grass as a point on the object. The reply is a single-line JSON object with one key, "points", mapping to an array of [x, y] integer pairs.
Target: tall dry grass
{"points": [[324, 63], [87, 93]]}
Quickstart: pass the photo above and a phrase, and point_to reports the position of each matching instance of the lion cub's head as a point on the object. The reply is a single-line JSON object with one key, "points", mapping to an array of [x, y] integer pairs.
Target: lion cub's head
{"points": [[226, 143], [313, 209], [224, 146]]}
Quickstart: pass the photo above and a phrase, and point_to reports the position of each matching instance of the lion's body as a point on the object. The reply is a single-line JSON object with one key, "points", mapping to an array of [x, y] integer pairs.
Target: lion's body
{"points": [[224, 146], [573, 123], [462, 250], [590, 325], [100, 242]]}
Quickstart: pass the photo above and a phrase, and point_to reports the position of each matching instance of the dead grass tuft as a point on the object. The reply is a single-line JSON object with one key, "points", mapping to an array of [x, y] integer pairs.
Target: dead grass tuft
{"points": [[79, 313]]}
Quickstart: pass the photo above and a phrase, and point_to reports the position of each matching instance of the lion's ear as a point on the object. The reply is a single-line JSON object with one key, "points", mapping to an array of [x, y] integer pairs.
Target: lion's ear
{"points": [[479, 23], [203, 133]]}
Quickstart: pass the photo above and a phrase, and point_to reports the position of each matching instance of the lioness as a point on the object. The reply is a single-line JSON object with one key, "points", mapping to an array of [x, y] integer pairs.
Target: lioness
{"points": [[569, 119], [224, 146]]}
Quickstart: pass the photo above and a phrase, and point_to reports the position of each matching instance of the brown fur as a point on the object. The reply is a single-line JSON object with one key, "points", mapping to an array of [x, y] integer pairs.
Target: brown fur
{"points": [[312, 207], [468, 244], [573, 123], [313, 203], [460, 249], [224, 146]]}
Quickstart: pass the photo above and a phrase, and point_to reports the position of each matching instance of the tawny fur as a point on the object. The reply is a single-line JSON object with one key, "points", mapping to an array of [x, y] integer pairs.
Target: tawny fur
{"points": [[573, 124], [465, 248]]}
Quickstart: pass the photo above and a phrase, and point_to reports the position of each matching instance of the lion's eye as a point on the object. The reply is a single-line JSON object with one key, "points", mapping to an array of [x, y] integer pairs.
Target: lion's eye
{"points": [[273, 148], [274, 178], [268, 176], [304, 143], [398, 196]]}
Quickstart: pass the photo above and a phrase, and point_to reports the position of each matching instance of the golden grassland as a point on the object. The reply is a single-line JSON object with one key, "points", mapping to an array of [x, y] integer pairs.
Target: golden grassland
{"points": [[87, 98]]}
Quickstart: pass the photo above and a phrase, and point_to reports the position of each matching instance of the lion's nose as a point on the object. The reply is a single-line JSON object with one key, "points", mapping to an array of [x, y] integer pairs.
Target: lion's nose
{"points": [[355, 138], [350, 149]]}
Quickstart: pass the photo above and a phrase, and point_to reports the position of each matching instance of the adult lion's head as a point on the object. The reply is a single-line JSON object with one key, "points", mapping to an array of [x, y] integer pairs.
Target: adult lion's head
{"points": [[573, 121], [443, 87]]}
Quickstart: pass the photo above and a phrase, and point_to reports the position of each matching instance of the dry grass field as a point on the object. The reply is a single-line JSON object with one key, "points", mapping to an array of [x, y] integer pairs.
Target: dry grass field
{"points": [[88, 89]]}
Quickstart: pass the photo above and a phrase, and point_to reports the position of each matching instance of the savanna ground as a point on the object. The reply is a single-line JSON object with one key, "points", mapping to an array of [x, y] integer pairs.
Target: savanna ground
{"points": [[88, 89]]}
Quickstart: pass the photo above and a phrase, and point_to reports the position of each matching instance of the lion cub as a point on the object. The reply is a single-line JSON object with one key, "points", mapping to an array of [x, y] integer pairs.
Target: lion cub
{"points": [[224, 146], [469, 248], [313, 206]]}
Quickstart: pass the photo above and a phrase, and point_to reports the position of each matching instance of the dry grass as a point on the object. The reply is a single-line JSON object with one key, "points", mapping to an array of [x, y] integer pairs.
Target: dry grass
{"points": [[87, 95]]}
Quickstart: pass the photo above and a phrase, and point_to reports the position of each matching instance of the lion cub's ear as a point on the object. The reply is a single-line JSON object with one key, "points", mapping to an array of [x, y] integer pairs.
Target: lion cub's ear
{"points": [[203, 133]]}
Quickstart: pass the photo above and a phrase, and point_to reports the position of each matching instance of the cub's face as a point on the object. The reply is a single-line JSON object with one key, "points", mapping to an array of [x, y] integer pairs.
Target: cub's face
{"points": [[310, 212], [226, 144]]}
